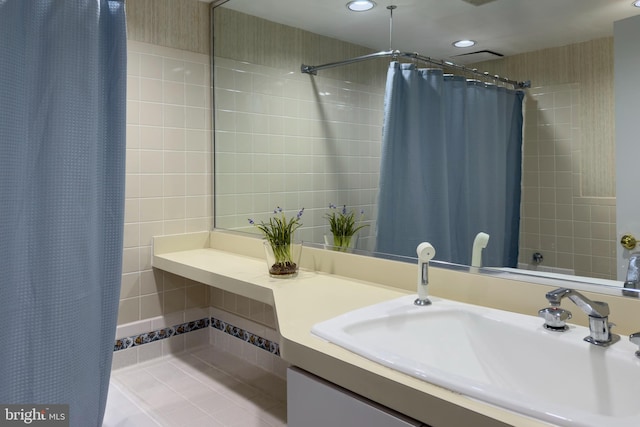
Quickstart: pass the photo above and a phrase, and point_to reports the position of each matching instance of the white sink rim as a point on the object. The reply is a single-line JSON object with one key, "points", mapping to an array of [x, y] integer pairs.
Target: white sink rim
{"points": [[334, 331]]}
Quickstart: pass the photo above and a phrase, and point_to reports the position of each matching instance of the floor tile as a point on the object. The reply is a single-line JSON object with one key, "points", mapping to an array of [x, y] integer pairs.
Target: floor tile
{"points": [[203, 388]]}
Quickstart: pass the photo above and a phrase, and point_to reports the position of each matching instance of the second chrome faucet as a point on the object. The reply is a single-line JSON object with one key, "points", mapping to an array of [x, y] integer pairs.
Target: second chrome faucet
{"points": [[598, 312]]}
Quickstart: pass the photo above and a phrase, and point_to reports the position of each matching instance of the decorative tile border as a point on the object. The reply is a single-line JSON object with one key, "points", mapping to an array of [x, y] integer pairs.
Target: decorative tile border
{"points": [[164, 333], [258, 341], [160, 334]]}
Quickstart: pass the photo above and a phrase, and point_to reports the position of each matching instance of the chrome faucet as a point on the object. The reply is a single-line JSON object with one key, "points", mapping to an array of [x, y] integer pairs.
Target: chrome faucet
{"points": [[633, 272], [598, 312]]}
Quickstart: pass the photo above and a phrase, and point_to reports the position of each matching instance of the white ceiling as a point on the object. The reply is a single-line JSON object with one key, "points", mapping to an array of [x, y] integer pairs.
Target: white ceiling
{"points": [[428, 27]]}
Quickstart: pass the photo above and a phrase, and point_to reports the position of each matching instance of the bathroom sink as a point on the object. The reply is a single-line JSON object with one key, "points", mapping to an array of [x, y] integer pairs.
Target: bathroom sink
{"points": [[499, 357]]}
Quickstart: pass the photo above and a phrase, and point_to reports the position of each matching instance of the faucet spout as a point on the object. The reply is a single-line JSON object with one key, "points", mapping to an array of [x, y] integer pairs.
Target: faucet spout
{"points": [[598, 312], [591, 308]]}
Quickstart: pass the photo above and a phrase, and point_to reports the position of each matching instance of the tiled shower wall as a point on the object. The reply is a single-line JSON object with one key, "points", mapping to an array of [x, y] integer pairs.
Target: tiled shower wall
{"points": [[569, 166], [289, 139], [572, 231]]}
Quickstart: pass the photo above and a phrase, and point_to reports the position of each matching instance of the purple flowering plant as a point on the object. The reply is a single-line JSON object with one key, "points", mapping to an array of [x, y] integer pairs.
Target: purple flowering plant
{"points": [[279, 233], [343, 225]]}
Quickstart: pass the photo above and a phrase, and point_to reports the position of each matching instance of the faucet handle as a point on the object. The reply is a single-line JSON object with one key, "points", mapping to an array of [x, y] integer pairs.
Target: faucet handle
{"points": [[555, 318], [635, 339]]}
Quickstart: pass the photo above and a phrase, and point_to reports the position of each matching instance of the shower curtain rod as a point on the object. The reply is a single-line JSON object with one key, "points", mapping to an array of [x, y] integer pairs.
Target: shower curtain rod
{"points": [[313, 69]]}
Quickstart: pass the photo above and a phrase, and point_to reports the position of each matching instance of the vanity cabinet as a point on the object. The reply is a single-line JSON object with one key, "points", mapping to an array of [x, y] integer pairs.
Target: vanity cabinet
{"points": [[314, 402]]}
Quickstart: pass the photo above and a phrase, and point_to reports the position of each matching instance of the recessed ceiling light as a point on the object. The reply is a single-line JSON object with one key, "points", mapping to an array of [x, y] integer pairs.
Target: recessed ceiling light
{"points": [[636, 3], [466, 43], [360, 5]]}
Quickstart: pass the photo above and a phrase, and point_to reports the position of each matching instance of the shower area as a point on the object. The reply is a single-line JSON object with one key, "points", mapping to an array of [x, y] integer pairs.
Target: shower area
{"points": [[314, 138]]}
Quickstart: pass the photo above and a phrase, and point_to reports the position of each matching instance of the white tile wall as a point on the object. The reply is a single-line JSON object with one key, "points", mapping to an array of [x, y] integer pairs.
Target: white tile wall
{"points": [[572, 231], [168, 181], [289, 139]]}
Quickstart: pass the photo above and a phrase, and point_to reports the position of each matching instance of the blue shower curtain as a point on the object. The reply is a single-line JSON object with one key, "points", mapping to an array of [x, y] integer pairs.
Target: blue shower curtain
{"points": [[62, 152], [451, 166]]}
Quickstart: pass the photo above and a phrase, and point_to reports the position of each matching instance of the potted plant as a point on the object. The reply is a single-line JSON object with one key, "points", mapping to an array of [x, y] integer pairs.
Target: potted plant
{"points": [[283, 257], [343, 226]]}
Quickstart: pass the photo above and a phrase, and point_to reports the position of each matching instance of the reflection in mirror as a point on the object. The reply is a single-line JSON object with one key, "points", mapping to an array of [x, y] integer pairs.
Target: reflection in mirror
{"points": [[283, 138], [287, 139]]}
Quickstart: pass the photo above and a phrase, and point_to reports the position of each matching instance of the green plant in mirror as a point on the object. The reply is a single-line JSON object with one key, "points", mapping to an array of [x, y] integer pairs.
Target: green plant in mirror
{"points": [[278, 233], [343, 226]]}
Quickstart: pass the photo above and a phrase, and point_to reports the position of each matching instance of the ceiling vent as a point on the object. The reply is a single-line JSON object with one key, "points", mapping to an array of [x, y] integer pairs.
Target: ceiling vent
{"points": [[478, 2], [478, 56]]}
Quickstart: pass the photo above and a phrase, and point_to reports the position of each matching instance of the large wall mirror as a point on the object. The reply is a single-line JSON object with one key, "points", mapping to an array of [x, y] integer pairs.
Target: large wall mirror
{"points": [[288, 139]]}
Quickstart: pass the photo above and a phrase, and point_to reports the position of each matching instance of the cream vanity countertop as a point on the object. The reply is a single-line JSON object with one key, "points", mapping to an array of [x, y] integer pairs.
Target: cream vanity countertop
{"points": [[319, 293]]}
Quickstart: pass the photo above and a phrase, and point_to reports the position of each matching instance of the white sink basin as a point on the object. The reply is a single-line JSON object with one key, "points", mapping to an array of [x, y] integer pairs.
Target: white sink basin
{"points": [[499, 357]]}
